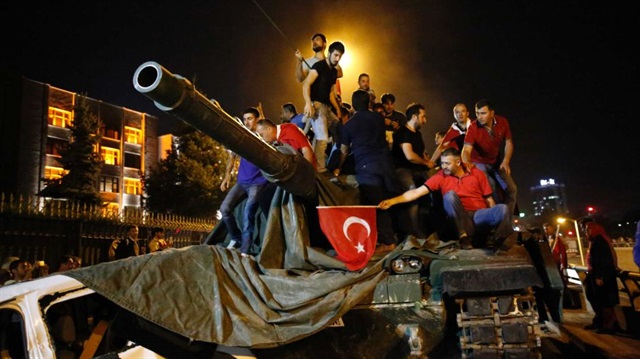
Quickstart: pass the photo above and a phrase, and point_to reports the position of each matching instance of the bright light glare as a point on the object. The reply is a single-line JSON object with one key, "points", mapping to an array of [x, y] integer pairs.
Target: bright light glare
{"points": [[561, 220], [345, 61]]}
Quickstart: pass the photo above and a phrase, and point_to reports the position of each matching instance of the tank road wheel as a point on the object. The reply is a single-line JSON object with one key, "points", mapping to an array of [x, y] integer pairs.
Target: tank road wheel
{"points": [[499, 327]]}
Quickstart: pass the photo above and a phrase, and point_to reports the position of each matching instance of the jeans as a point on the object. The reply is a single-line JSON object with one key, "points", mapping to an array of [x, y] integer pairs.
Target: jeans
{"points": [[506, 184], [236, 195], [469, 222]]}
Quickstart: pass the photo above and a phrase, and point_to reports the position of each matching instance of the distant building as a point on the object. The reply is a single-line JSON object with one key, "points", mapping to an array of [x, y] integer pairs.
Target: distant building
{"points": [[34, 121], [549, 198]]}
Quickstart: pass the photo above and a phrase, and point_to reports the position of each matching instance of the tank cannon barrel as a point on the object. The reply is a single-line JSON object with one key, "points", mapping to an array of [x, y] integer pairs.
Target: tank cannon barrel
{"points": [[176, 95]]}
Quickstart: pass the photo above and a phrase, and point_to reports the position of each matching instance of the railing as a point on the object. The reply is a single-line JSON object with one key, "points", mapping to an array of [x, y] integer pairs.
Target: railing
{"points": [[34, 229], [628, 284]]}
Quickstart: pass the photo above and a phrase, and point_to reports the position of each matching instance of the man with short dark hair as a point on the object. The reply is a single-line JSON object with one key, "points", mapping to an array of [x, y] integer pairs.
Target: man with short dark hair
{"points": [[319, 92], [393, 119], [486, 137], [467, 200], [250, 183], [286, 133], [412, 164], [318, 45], [364, 135], [364, 83], [289, 114], [127, 246]]}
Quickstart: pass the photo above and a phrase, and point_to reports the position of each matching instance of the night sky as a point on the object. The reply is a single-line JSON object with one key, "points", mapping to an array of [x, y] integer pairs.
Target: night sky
{"points": [[565, 75]]}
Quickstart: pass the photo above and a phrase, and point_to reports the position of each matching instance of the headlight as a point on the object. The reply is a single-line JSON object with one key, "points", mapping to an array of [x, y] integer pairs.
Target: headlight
{"points": [[406, 264], [397, 265]]}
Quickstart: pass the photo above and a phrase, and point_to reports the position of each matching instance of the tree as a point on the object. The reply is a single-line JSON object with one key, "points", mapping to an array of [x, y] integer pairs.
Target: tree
{"points": [[187, 181], [79, 158]]}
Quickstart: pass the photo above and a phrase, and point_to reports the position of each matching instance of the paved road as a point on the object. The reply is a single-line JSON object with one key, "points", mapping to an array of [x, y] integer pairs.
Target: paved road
{"points": [[587, 344]]}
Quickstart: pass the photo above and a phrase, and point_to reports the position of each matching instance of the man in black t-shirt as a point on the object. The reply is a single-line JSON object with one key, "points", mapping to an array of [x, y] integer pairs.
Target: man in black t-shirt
{"points": [[319, 93], [412, 163]]}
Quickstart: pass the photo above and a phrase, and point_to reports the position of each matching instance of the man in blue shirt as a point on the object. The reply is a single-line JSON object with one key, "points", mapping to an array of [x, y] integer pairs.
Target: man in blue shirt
{"points": [[290, 114], [249, 185]]}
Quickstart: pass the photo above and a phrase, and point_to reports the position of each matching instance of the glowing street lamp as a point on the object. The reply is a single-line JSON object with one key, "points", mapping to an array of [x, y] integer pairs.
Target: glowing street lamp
{"points": [[561, 220]]}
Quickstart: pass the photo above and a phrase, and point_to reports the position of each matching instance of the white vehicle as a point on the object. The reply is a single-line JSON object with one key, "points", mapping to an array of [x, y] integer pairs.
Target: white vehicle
{"points": [[58, 317]]}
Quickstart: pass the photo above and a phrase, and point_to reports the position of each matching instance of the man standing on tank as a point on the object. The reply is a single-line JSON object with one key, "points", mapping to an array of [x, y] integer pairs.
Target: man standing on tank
{"points": [[319, 92]]}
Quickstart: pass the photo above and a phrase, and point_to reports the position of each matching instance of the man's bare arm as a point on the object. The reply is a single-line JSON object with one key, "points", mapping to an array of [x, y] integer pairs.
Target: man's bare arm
{"points": [[408, 196]]}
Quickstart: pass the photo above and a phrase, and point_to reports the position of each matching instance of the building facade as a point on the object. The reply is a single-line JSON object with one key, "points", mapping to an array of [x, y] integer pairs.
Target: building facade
{"points": [[549, 198], [34, 126]]}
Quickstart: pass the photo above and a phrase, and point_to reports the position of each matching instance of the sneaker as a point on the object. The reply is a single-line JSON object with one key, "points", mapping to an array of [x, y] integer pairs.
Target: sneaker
{"points": [[232, 244], [552, 327]]}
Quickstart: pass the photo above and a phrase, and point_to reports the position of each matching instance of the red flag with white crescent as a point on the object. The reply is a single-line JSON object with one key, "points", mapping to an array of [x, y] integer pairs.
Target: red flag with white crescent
{"points": [[352, 232]]}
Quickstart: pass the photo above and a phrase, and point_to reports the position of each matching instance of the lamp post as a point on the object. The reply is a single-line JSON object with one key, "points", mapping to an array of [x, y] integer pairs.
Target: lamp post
{"points": [[561, 220]]}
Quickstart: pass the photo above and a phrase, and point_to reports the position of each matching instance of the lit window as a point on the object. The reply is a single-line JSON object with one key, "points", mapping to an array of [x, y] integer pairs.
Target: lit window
{"points": [[111, 156], [132, 135], [58, 117], [54, 172], [132, 186], [109, 184]]}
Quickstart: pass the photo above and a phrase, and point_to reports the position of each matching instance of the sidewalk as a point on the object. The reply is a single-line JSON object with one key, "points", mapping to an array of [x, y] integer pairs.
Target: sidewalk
{"points": [[576, 341]]}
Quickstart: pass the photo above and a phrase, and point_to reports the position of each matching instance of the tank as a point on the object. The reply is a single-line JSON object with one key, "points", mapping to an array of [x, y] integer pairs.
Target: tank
{"points": [[423, 299]]}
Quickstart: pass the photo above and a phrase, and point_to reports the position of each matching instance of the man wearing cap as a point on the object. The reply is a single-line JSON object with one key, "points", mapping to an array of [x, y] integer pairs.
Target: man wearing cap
{"points": [[319, 45]]}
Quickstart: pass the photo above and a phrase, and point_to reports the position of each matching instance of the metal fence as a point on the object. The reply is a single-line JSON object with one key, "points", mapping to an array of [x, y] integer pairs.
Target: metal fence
{"points": [[34, 229]]}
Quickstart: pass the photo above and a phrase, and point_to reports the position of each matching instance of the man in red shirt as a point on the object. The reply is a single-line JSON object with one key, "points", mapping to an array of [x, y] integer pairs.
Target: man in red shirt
{"points": [[485, 137], [287, 133], [467, 200], [454, 137], [558, 249]]}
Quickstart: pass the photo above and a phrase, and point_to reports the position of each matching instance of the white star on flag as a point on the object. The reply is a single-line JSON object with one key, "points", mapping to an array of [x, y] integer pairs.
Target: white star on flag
{"points": [[352, 232]]}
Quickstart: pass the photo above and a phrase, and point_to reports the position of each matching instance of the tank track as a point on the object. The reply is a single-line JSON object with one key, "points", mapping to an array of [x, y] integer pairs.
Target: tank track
{"points": [[504, 326]]}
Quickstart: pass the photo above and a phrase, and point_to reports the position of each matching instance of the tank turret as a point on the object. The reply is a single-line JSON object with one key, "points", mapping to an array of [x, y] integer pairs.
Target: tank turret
{"points": [[177, 96]]}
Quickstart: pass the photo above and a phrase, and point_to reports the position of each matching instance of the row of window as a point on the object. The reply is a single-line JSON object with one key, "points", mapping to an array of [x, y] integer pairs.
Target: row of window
{"points": [[106, 184], [61, 118], [111, 156]]}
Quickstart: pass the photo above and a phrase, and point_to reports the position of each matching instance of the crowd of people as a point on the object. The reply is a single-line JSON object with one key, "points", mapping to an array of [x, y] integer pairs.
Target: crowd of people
{"points": [[15, 269], [383, 149]]}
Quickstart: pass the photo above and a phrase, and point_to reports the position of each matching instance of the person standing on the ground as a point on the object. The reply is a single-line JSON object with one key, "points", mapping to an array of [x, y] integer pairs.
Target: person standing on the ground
{"points": [[485, 137], [158, 242], [125, 247], [558, 249], [21, 270], [250, 183], [636, 247], [319, 92], [601, 283]]}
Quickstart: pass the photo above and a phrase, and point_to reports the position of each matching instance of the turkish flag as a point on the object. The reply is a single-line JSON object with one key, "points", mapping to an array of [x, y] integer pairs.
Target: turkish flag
{"points": [[352, 232]]}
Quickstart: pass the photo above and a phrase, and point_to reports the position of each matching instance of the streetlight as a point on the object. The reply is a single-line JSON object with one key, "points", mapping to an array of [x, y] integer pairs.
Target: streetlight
{"points": [[561, 220]]}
